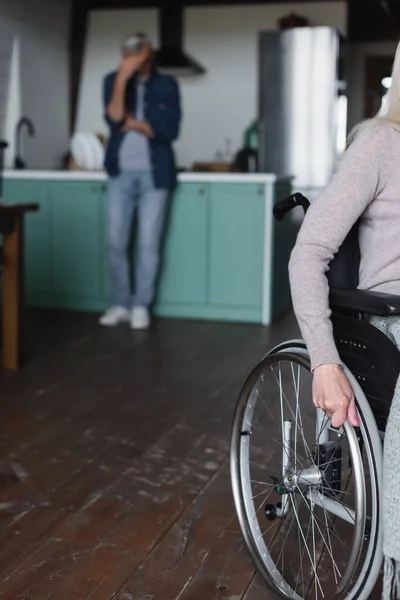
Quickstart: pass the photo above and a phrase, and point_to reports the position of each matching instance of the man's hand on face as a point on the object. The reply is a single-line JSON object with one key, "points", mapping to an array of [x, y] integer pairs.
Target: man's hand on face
{"points": [[132, 63]]}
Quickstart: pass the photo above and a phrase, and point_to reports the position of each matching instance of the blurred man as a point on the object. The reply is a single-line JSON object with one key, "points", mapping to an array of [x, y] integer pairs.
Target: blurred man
{"points": [[142, 109]]}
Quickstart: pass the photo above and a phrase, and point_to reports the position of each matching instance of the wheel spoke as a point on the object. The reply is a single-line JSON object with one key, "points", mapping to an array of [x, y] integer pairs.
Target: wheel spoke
{"points": [[296, 390], [305, 542], [284, 543], [314, 519], [299, 493], [299, 423]]}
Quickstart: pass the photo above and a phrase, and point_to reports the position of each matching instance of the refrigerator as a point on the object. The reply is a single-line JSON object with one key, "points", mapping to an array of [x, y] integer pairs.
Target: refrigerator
{"points": [[301, 114]]}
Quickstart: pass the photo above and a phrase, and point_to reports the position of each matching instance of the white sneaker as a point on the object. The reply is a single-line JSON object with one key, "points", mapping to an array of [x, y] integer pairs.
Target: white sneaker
{"points": [[115, 315], [140, 317]]}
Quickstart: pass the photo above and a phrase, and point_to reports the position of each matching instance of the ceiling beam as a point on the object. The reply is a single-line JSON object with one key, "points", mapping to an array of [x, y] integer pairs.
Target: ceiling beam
{"points": [[368, 19], [153, 3]]}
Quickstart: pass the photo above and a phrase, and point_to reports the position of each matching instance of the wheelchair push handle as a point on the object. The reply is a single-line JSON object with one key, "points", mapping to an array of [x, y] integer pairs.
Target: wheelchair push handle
{"points": [[285, 206]]}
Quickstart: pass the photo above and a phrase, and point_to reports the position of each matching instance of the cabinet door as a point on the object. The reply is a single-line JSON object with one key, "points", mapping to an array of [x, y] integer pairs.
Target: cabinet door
{"points": [[77, 243], [38, 248], [184, 265], [104, 277], [236, 244]]}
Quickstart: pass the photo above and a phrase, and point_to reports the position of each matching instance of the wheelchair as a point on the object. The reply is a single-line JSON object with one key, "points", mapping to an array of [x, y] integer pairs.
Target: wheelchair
{"points": [[307, 495]]}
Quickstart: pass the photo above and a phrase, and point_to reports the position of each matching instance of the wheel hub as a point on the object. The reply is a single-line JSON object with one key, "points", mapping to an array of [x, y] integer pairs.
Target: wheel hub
{"points": [[303, 479]]}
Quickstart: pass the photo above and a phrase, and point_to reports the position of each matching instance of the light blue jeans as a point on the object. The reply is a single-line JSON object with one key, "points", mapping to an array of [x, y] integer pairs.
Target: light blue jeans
{"points": [[130, 192]]}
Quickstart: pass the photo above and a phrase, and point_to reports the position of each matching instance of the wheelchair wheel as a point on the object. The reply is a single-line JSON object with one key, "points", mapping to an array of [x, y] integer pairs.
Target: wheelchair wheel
{"points": [[306, 494]]}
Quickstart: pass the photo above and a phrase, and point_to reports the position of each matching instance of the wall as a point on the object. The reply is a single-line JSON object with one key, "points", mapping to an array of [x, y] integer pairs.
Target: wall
{"points": [[6, 44], [356, 64], [218, 105], [106, 29], [41, 28], [222, 104], [13, 110]]}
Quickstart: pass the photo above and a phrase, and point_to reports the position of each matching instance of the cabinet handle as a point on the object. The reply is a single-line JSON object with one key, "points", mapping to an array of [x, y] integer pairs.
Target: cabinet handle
{"points": [[261, 190], [103, 187], [202, 191]]}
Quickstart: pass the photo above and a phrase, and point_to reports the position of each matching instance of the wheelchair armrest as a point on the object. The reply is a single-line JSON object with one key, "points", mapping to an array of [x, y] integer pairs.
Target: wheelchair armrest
{"points": [[370, 303]]}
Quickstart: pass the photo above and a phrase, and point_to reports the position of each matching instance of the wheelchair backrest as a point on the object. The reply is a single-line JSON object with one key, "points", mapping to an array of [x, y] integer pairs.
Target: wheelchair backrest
{"points": [[344, 269], [369, 354]]}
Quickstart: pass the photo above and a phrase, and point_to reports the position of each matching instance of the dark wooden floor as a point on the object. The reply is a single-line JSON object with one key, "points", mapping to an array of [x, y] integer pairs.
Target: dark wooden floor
{"points": [[114, 475]]}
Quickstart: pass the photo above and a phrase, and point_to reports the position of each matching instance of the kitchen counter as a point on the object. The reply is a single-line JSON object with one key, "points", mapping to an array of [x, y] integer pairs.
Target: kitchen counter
{"points": [[185, 177], [225, 257]]}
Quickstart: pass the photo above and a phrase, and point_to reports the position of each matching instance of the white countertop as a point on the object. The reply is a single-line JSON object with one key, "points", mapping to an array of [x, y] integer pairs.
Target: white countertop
{"points": [[186, 177]]}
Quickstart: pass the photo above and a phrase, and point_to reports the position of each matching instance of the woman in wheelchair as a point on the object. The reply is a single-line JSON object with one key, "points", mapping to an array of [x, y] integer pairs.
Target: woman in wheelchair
{"points": [[317, 513]]}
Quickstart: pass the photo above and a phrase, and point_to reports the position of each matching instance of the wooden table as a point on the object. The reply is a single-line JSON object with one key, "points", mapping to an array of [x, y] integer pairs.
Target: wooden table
{"points": [[12, 230]]}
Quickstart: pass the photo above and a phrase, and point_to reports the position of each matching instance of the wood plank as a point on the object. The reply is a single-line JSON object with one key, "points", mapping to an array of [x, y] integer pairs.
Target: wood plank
{"points": [[165, 571], [156, 507], [78, 403], [258, 590], [117, 518], [59, 404], [11, 297], [225, 573], [40, 503], [45, 475], [31, 526], [117, 492]]}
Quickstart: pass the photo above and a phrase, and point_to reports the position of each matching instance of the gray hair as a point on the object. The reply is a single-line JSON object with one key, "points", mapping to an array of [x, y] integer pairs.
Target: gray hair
{"points": [[134, 42]]}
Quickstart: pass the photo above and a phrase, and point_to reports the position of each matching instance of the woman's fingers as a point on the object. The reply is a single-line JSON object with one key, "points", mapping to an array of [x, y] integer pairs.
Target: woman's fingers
{"points": [[332, 393], [340, 412], [352, 414], [339, 416]]}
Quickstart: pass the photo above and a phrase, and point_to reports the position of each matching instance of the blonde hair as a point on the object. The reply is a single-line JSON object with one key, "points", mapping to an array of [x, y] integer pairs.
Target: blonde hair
{"points": [[389, 113], [390, 110]]}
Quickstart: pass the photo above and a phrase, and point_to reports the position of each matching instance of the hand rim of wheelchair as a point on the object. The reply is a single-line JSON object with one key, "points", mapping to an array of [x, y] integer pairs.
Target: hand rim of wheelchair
{"points": [[366, 579]]}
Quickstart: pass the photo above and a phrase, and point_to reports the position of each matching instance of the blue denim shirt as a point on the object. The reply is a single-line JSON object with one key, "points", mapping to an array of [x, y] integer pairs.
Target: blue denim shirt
{"points": [[162, 112]]}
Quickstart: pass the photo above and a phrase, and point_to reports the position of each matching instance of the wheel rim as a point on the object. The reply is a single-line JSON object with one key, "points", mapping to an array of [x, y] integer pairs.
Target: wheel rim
{"points": [[305, 518], [372, 557]]}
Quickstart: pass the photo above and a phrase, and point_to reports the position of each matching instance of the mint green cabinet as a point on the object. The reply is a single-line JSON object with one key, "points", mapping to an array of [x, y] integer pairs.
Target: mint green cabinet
{"points": [[64, 242], [214, 253], [236, 244], [38, 250], [77, 239], [222, 259], [183, 277]]}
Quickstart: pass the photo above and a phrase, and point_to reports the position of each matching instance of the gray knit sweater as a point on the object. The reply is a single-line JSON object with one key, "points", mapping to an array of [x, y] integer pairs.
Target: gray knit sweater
{"points": [[366, 184]]}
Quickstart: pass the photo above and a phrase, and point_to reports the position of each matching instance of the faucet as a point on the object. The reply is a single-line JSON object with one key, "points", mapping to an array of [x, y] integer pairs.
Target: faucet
{"points": [[19, 163]]}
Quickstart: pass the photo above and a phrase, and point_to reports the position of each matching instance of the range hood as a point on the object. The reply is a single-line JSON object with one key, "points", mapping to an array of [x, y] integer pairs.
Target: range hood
{"points": [[171, 57]]}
